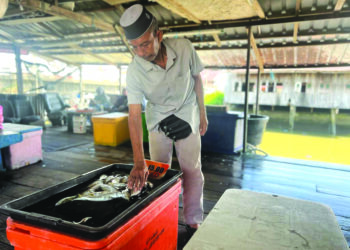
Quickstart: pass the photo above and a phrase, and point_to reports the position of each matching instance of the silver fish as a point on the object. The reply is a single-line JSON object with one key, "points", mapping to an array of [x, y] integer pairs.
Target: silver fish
{"points": [[104, 189], [83, 220]]}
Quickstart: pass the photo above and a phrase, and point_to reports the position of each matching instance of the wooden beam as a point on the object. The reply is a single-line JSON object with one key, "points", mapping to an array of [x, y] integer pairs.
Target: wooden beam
{"points": [[11, 39], [59, 35], [330, 55], [217, 39], [339, 5], [117, 2], [31, 20], [19, 73], [296, 24], [3, 7], [343, 54], [295, 33], [257, 8], [85, 51], [178, 9], [257, 53], [193, 33], [78, 17], [26, 31], [61, 12], [297, 7], [120, 32]]}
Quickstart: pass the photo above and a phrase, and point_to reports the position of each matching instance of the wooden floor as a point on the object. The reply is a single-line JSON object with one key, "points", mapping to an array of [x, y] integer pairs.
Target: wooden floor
{"points": [[67, 156]]}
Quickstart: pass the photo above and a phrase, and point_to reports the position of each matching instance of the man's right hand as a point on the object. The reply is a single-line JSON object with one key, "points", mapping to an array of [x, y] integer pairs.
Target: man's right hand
{"points": [[138, 176]]}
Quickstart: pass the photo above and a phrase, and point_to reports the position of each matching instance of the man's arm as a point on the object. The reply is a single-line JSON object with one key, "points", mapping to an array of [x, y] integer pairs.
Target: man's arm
{"points": [[139, 172], [198, 88]]}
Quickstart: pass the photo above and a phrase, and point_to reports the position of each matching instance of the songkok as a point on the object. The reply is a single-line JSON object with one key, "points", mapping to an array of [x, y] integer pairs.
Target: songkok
{"points": [[135, 21]]}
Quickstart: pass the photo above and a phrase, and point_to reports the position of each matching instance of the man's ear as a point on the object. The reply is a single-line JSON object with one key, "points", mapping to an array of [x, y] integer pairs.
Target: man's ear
{"points": [[160, 35]]}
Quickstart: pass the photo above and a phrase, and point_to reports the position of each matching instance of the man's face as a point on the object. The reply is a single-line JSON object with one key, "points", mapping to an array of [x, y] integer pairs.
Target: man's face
{"points": [[147, 46]]}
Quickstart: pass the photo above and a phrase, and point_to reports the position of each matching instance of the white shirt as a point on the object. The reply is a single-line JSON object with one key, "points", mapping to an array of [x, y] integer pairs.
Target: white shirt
{"points": [[170, 90]]}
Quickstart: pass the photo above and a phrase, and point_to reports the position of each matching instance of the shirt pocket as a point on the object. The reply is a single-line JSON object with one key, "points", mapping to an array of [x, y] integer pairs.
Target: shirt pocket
{"points": [[183, 87], [156, 90]]}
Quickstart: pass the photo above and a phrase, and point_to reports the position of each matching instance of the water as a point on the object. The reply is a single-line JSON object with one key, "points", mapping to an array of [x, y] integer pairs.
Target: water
{"points": [[332, 149]]}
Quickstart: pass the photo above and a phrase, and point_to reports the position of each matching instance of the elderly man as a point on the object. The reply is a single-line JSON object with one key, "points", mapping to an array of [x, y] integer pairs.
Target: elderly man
{"points": [[167, 74]]}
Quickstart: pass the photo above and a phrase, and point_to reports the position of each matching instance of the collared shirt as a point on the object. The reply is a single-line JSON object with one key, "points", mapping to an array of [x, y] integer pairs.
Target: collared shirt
{"points": [[167, 91]]}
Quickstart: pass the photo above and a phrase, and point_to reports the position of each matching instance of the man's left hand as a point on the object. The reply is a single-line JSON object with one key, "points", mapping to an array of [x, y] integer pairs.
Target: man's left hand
{"points": [[203, 126]]}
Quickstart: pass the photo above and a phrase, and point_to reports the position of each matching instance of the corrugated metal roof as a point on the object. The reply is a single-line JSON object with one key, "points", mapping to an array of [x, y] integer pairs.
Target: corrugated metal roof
{"points": [[59, 36]]}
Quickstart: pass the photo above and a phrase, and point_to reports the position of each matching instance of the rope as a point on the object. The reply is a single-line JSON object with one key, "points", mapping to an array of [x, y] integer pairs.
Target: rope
{"points": [[253, 150]]}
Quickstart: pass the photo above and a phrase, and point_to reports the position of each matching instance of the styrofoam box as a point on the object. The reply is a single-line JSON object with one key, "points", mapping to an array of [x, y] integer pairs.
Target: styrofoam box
{"points": [[244, 219], [26, 152]]}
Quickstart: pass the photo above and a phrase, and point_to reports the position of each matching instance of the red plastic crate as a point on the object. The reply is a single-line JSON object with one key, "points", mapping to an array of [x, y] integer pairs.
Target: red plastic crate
{"points": [[155, 227]]}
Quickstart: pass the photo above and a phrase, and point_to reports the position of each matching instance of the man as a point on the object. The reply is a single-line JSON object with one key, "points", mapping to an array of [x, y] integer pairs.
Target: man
{"points": [[167, 74], [121, 103], [101, 100]]}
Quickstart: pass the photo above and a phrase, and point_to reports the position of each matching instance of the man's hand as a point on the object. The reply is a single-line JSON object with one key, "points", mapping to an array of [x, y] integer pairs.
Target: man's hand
{"points": [[138, 176], [203, 126]]}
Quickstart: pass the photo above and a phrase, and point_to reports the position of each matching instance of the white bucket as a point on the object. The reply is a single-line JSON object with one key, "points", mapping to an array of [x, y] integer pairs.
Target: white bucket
{"points": [[79, 124]]}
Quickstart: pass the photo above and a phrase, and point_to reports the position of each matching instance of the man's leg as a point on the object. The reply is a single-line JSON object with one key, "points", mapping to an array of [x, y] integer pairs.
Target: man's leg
{"points": [[160, 147], [188, 152]]}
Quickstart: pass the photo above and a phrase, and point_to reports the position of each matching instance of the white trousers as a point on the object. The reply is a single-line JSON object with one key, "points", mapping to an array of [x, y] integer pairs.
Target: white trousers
{"points": [[188, 152]]}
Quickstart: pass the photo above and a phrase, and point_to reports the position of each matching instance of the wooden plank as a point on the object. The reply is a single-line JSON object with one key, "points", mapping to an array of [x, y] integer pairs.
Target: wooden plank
{"points": [[296, 24], [297, 7], [32, 20], [4, 246], [4, 199], [257, 53], [44, 55], [87, 52], [27, 31], [182, 236], [339, 5], [58, 11], [3, 7], [120, 32], [295, 32], [177, 8], [4, 243], [217, 39], [117, 2], [257, 8], [220, 171], [16, 191]]}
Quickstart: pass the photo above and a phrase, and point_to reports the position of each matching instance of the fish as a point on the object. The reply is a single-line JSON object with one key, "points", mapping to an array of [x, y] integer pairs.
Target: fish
{"points": [[83, 220], [107, 187]]}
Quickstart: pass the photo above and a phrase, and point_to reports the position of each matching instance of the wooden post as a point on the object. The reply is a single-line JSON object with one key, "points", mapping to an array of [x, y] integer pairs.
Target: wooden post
{"points": [[120, 79], [19, 69], [81, 85], [245, 134], [257, 92], [334, 112], [292, 112]]}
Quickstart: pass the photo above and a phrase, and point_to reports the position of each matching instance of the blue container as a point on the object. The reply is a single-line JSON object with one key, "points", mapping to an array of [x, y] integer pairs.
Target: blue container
{"points": [[225, 133]]}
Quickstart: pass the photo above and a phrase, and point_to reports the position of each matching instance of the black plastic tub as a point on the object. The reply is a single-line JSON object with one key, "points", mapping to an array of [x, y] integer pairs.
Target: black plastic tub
{"points": [[256, 128], [39, 208]]}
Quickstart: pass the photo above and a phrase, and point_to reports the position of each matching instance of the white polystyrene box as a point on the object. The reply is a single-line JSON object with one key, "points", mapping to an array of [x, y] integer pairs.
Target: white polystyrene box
{"points": [[26, 152], [243, 219]]}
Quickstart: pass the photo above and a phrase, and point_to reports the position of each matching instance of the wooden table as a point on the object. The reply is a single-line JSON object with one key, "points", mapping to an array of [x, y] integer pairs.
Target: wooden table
{"points": [[249, 220]]}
